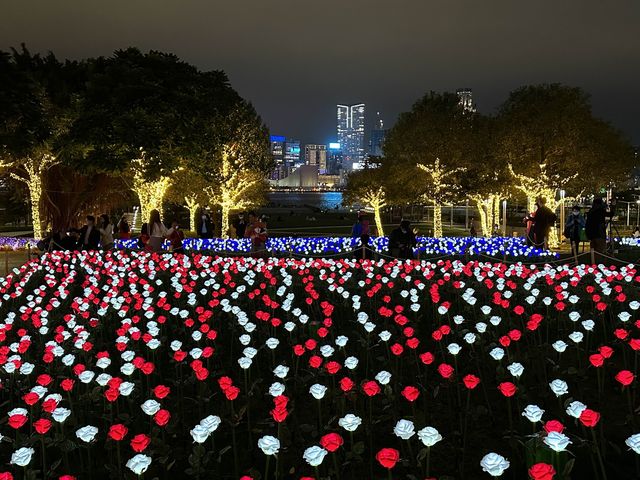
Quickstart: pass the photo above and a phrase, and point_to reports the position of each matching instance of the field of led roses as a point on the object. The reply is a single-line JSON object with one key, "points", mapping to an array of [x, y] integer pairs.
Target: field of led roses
{"points": [[129, 365]]}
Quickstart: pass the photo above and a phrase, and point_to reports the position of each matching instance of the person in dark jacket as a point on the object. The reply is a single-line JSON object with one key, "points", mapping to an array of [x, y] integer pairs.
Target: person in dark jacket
{"points": [[596, 226], [89, 237], [240, 225], [402, 240], [573, 228], [205, 226], [542, 222]]}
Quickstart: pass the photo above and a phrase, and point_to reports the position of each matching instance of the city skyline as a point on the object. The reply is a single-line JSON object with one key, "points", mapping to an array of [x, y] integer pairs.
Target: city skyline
{"points": [[395, 54]]}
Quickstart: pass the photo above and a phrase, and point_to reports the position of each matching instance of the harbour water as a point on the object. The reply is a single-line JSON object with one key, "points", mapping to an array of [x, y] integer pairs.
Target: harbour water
{"points": [[322, 200]]}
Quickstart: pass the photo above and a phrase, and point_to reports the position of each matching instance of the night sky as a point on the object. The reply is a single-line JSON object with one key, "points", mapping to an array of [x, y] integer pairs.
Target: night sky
{"points": [[296, 59]]}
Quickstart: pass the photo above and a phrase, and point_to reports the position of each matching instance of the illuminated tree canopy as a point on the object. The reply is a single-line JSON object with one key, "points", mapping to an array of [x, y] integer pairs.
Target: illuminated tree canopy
{"points": [[38, 101]]}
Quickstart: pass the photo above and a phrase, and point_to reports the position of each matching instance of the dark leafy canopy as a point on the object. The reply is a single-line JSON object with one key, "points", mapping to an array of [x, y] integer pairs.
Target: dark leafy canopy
{"points": [[553, 125], [38, 101], [436, 127], [243, 131], [152, 102]]}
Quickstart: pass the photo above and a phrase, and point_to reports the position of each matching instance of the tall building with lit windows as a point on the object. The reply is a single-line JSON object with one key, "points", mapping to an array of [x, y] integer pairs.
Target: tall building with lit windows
{"points": [[351, 134], [465, 96], [316, 155]]}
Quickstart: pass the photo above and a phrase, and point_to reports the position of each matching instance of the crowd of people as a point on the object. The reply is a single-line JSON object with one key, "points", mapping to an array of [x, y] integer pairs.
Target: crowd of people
{"points": [[578, 228], [153, 233], [102, 233]]}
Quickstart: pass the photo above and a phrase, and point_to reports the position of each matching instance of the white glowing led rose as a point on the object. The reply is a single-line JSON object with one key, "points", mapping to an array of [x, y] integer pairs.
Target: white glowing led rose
{"points": [[494, 464], [211, 423], [383, 377], [22, 456], [350, 422], [87, 434], [150, 407], [139, 463], [429, 436], [269, 445], [557, 441], [404, 429], [533, 413], [516, 369], [575, 409], [559, 387], [318, 391], [314, 455], [200, 433], [633, 442]]}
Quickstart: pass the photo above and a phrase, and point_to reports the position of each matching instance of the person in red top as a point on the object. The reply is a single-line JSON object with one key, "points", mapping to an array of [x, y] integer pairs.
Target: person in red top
{"points": [[257, 232], [175, 237]]}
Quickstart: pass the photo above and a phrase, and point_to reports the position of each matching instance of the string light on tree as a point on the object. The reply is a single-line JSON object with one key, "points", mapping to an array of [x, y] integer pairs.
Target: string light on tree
{"points": [[235, 182], [31, 172], [150, 193], [376, 200], [440, 190], [544, 186]]}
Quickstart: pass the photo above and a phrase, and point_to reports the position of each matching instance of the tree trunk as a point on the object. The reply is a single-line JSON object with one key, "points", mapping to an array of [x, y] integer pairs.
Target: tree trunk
{"points": [[378, 219], [224, 220], [193, 207], [35, 194], [482, 205], [437, 220], [496, 212]]}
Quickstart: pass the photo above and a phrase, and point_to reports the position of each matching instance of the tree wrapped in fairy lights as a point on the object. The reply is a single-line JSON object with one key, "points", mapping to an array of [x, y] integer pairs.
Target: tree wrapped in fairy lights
{"points": [[433, 142], [237, 186], [551, 141]]}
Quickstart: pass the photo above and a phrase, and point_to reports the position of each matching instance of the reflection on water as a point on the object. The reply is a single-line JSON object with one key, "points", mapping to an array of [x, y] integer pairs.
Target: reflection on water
{"points": [[324, 200]]}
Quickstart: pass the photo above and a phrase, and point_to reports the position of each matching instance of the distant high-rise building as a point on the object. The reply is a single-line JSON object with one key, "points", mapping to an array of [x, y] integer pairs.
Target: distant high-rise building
{"points": [[378, 135], [465, 96], [334, 158], [316, 155], [292, 154], [277, 151], [351, 133]]}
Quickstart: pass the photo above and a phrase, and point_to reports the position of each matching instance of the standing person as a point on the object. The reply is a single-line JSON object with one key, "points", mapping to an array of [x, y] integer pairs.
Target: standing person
{"points": [[257, 232], [636, 232], [402, 240], [124, 231], [106, 232], [595, 226], [240, 225], [175, 237], [543, 221], [472, 231], [89, 237], [528, 221], [205, 226], [573, 227], [157, 231], [361, 227], [144, 238]]}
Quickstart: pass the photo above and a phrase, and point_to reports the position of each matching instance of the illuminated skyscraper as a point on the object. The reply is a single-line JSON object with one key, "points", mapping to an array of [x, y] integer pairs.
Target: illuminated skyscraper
{"points": [[466, 99], [316, 155], [351, 133], [378, 135], [277, 151]]}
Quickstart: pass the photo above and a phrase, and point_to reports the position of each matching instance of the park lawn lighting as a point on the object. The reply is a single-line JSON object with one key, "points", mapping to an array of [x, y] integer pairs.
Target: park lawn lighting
{"points": [[319, 246]]}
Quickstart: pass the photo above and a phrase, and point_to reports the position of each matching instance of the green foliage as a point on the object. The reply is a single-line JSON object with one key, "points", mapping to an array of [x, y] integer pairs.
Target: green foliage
{"points": [[38, 101], [553, 125], [436, 128]]}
